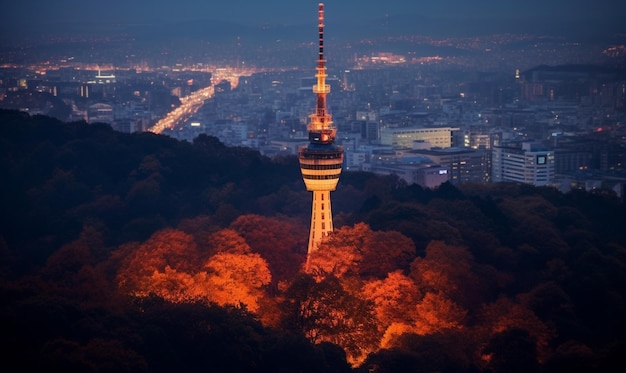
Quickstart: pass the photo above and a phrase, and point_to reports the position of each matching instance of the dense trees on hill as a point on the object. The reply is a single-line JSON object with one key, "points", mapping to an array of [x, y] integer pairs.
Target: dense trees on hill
{"points": [[142, 253]]}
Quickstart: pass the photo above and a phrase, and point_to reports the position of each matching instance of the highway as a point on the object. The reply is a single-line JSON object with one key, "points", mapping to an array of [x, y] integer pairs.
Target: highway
{"points": [[192, 103]]}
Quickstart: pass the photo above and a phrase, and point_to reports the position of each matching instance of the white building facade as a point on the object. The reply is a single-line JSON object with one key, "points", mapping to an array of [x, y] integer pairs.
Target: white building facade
{"points": [[528, 163], [403, 137]]}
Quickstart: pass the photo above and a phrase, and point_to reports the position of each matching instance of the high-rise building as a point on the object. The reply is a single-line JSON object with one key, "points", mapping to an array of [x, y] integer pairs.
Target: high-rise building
{"points": [[321, 160], [525, 162], [403, 137], [464, 165]]}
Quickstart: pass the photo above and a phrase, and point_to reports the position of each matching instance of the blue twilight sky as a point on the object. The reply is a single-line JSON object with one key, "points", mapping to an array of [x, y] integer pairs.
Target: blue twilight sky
{"points": [[298, 11], [585, 13]]}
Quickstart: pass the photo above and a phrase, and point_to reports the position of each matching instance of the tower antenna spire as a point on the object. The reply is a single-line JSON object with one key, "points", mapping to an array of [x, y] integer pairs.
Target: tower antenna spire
{"points": [[320, 27], [321, 160], [321, 128]]}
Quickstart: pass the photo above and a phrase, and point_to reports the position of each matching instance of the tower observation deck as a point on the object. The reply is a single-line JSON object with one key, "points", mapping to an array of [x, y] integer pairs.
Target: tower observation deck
{"points": [[321, 160]]}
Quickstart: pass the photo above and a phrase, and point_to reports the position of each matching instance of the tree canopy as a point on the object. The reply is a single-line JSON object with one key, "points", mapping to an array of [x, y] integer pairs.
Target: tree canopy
{"points": [[138, 252]]}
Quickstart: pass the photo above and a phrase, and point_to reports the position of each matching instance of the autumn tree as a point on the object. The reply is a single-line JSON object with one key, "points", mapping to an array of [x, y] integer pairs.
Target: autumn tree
{"points": [[385, 252], [436, 313], [228, 279], [280, 241], [393, 332], [167, 266], [168, 248], [325, 311], [237, 278], [226, 241], [74, 271], [340, 253], [394, 299], [449, 270], [360, 252]]}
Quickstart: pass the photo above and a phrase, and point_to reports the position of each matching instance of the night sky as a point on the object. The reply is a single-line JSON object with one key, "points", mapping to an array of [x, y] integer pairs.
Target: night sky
{"points": [[580, 15]]}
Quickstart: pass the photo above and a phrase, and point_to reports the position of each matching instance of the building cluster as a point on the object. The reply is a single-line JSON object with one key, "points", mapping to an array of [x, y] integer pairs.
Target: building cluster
{"points": [[130, 100], [548, 126]]}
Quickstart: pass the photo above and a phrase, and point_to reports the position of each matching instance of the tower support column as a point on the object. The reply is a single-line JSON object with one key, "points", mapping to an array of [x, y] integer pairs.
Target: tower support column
{"points": [[321, 218]]}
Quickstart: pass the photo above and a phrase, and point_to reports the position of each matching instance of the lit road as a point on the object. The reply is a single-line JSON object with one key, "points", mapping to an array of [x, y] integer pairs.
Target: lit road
{"points": [[192, 103], [189, 105]]}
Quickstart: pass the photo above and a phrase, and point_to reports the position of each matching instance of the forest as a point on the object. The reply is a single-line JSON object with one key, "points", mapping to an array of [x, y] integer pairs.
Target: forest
{"points": [[141, 253]]}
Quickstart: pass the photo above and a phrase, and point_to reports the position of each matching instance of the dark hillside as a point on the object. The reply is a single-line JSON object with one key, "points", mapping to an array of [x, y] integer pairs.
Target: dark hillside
{"points": [[138, 252], [61, 176]]}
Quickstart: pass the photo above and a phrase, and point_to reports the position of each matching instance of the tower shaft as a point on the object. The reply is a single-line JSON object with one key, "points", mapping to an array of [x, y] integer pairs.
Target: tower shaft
{"points": [[321, 217]]}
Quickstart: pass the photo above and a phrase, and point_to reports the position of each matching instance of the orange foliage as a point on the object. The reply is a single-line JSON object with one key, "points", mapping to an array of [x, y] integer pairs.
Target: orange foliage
{"points": [[358, 251], [395, 330], [385, 252], [337, 263], [340, 253], [324, 311], [227, 241], [164, 248], [169, 284], [338, 306], [436, 312], [280, 241], [394, 298], [248, 269], [446, 269], [167, 265]]}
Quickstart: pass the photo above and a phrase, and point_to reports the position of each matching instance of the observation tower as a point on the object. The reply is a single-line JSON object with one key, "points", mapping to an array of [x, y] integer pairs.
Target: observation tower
{"points": [[321, 159]]}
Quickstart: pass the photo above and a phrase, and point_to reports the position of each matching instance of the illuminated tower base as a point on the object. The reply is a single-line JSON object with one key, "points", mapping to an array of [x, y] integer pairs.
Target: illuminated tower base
{"points": [[321, 167], [321, 218]]}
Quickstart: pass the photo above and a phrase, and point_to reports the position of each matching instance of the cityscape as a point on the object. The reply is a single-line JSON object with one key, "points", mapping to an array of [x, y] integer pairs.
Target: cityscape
{"points": [[429, 109], [167, 199]]}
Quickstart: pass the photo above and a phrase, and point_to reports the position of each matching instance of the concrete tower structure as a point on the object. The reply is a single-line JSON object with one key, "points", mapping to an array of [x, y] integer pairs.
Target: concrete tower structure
{"points": [[321, 160]]}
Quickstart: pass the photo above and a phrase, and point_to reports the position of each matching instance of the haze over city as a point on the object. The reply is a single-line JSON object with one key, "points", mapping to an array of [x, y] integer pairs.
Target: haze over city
{"points": [[349, 17]]}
